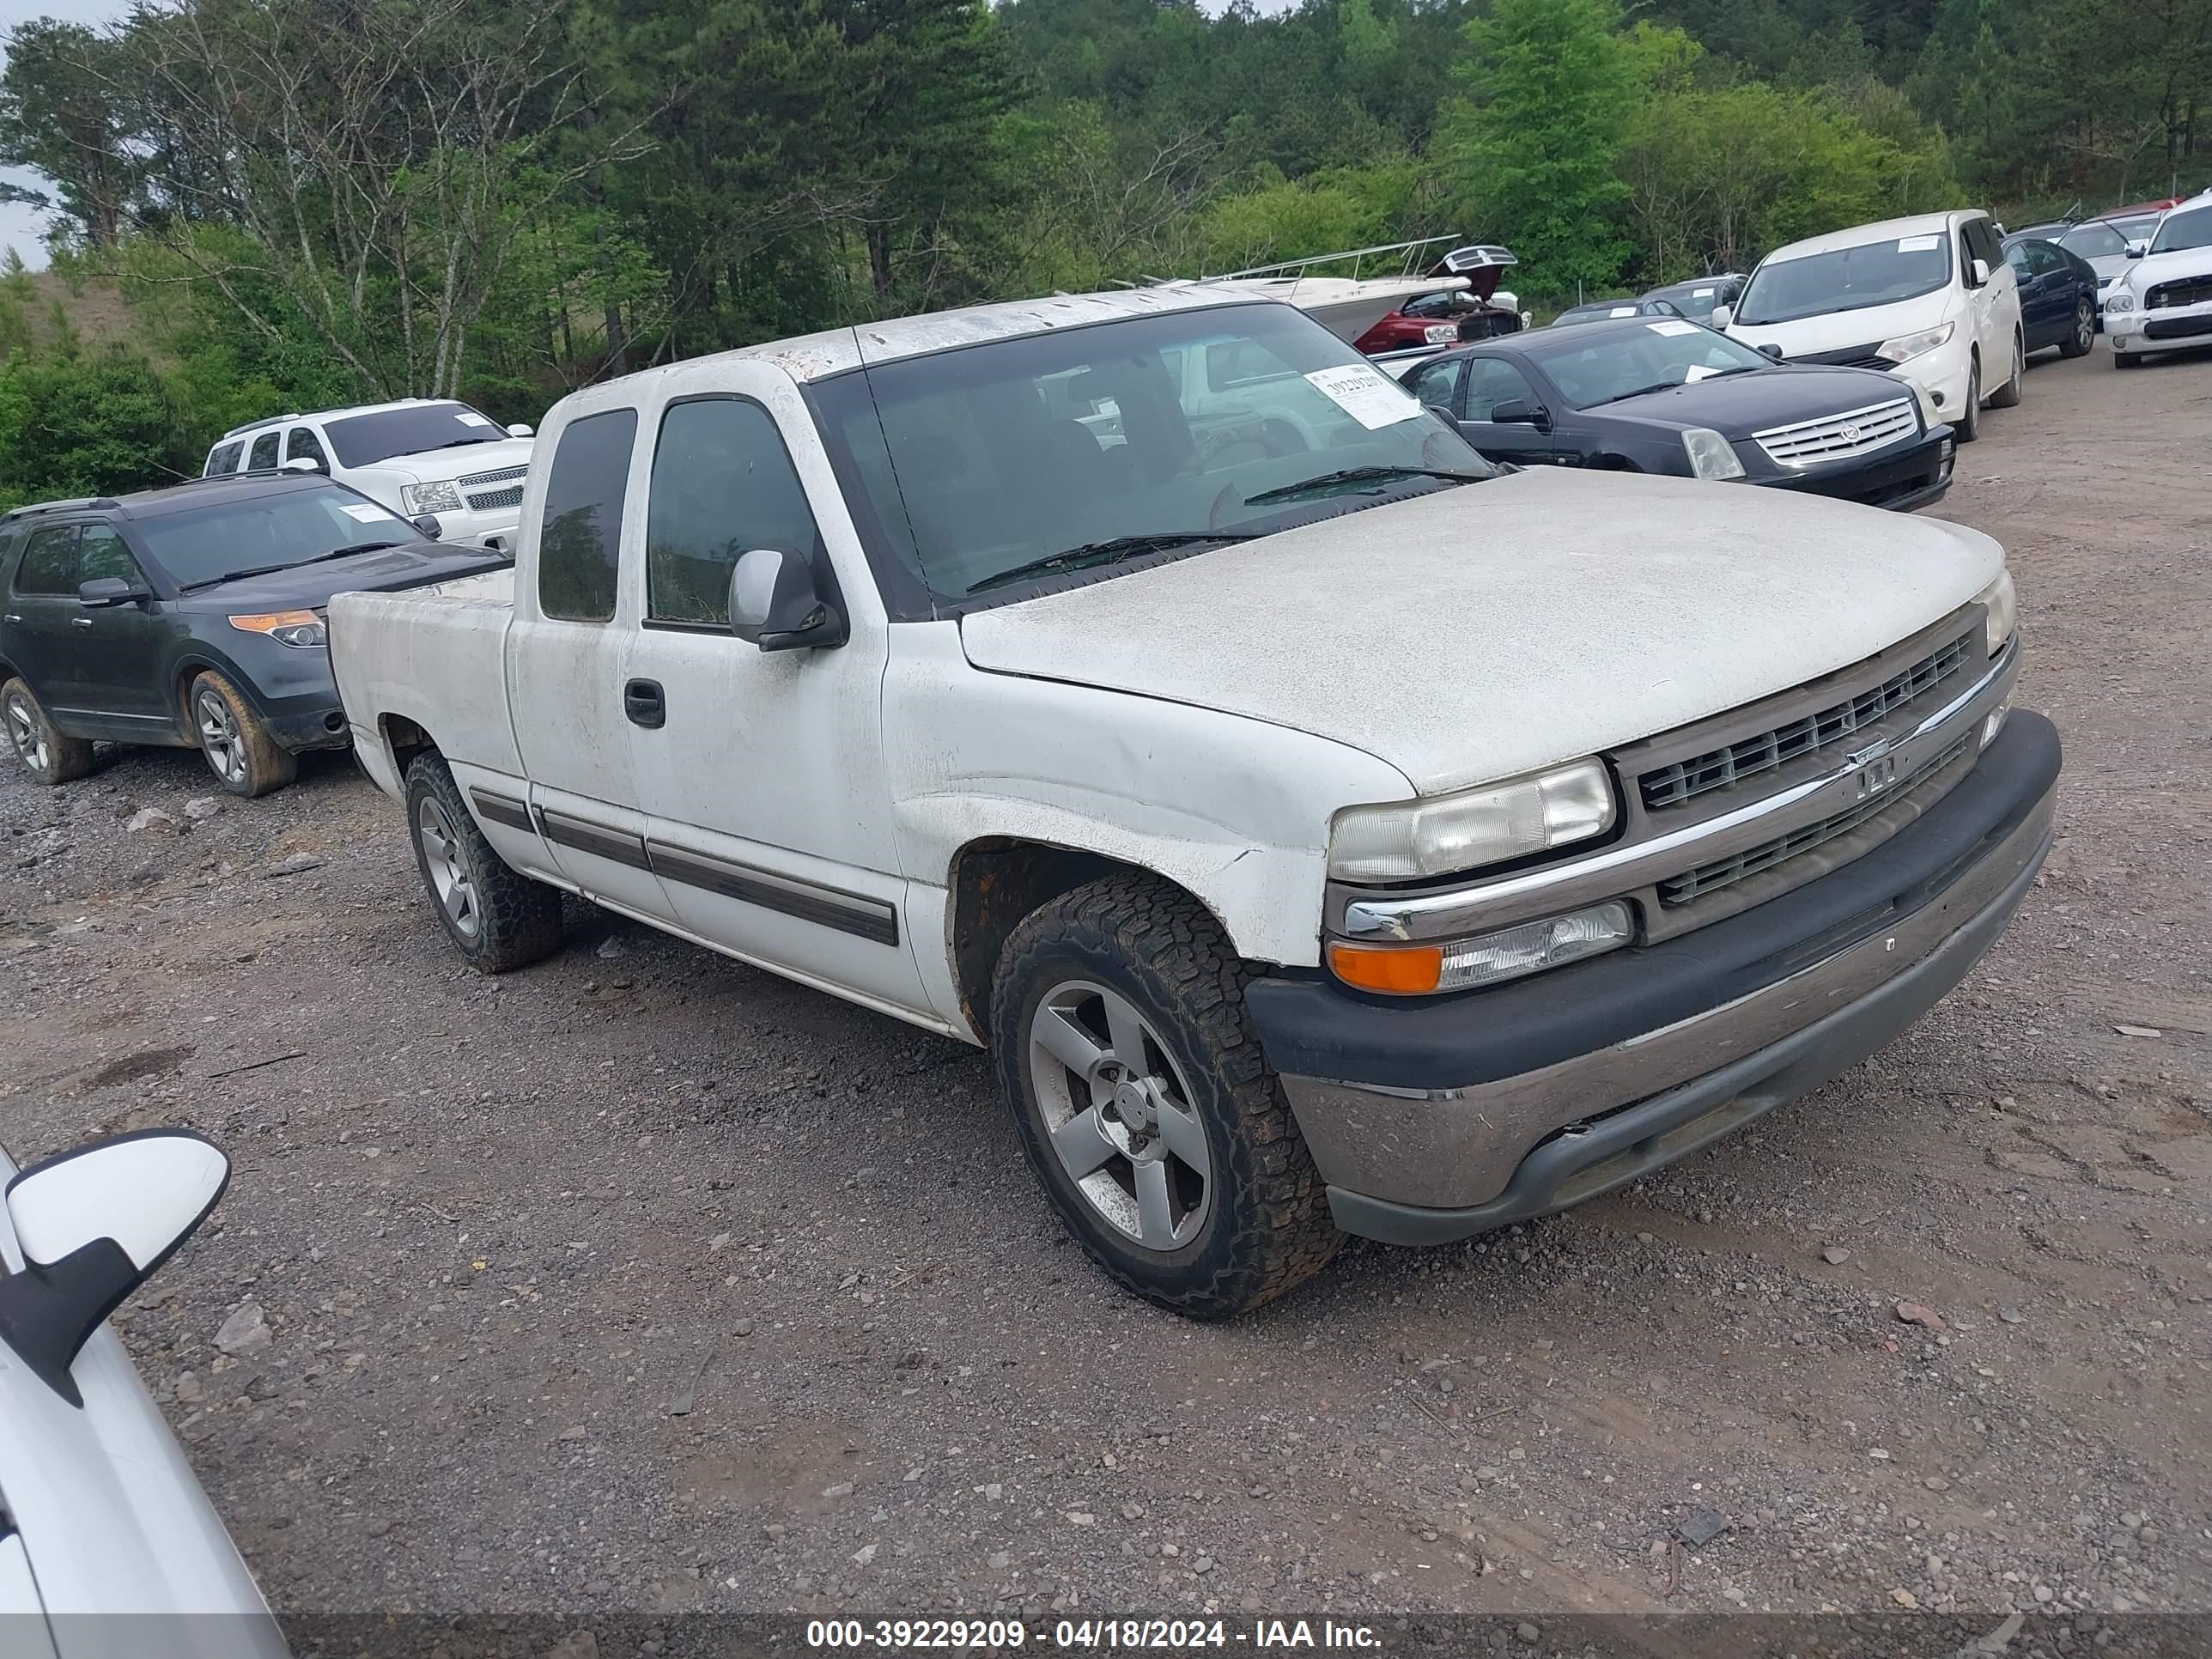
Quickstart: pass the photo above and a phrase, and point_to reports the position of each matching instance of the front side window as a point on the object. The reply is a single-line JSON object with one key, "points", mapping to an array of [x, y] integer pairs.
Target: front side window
{"points": [[1436, 385], [270, 529], [302, 445], [723, 483], [264, 456], [48, 560], [224, 460], [411, 429], [1854, 278], [1654, 356], [2181, 231], [101, 553], [1490, 382], [973, 475], [579, 542]]}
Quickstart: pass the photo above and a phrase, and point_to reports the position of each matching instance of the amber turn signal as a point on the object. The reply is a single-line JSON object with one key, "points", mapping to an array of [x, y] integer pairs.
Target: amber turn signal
{"points": [[1395, 970]]}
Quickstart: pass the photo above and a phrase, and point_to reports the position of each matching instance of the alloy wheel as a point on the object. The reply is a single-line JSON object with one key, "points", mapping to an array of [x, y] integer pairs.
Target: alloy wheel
{"points": [[1118, 1113], [2085, 325], [220, 739], [448, 868], [28, 733]]}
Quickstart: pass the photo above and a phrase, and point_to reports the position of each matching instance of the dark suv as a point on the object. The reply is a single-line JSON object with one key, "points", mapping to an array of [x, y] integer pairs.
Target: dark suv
{"points": [[193, 617]]}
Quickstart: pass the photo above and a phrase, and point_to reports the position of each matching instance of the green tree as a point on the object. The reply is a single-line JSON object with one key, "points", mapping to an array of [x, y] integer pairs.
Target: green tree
{"points": [[86, 425], [60, 116]]}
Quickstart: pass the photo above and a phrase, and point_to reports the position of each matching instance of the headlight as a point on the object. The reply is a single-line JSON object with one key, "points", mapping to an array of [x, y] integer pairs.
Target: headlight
{"points": [[1712, 456], [2003, 616], [1407, 841], [302, 628], [444, 496], [1906, 347], [1441, 333], [1488, 959], [2119, 299]]}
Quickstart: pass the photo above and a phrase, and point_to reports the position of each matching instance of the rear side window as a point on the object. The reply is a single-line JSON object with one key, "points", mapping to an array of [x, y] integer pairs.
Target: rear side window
{"points": [[264, 453], [224, 460], [1437, 384], [723, 483], [580, 540], [48, 561]]}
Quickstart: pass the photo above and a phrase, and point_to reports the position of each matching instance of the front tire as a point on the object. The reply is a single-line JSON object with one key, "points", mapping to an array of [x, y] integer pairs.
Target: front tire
{"points": [[1145, 1106], [1968, 425], [2008, 395], [498, 918], [49, 755], [2083, 335], [244, 757]]}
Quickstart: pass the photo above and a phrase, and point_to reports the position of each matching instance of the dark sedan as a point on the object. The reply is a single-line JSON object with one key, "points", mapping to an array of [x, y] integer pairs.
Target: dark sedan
{"points": [[1661, 395], [2057, 295], [1600, 310], [193, 617]]}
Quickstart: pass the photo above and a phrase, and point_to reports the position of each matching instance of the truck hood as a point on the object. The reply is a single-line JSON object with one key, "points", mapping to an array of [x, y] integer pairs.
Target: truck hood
{"points": [[387, 570], [466, 462], [1475, 633]]}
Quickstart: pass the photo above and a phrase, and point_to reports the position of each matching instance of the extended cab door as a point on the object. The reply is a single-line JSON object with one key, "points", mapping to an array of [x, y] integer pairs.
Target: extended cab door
{"points": [[568, 664], [760, 772]]}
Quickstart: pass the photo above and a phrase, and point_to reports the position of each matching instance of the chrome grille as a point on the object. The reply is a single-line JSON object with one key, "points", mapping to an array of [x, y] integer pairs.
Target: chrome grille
{"points": [[1686, 779], [2185, 291], [505, 475], [493, 500], [480, 488], [1691, 884], [1839, 437]]}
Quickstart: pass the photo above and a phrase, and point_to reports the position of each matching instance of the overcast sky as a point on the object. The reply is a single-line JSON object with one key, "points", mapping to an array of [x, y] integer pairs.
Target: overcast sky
{"points": [[22, 228]]}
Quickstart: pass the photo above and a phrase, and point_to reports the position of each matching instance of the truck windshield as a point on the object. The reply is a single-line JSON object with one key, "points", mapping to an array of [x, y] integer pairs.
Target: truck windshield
{"points": [[267, 531], [365, 440], [1136, 437], [1847, 279]]}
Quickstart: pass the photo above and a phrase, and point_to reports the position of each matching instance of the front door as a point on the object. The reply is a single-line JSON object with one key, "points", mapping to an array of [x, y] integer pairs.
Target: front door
{"points": [[762, 777], [1492, 384], [120, 647], [567, 662]]}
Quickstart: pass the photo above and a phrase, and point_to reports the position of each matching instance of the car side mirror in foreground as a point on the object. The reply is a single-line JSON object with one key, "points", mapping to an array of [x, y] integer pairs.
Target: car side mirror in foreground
{"points": [[427, 524], [94, 1225], [1724, 315], [102, 592], [773, 602], [1980, 270], [1517, 413]]}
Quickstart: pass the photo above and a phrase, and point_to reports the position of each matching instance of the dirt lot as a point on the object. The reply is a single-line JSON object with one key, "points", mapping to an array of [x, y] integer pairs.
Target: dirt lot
{"points": [[642, 1281]]}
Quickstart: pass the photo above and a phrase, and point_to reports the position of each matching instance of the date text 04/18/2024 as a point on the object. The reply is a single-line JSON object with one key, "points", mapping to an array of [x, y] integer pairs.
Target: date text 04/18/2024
{"points": [[1099, 1635]]}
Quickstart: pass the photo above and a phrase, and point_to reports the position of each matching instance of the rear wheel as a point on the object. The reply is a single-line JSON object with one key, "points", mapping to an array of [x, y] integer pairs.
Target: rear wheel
{"points": [[2083, 334], [2008, 395], [1967, 425], [1145, 1103], [496, 917], [49, 755], [244, 757]]}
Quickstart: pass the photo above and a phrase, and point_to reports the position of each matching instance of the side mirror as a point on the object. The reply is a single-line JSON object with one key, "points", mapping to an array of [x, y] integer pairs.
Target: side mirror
{"points": [[427, 524], [94, 1225], [304, 464], [1980, 272], [1770, 349], [1514, 412], [1724, 315], [519, 430], [773, 603], [103, 592], [2137, 249]]}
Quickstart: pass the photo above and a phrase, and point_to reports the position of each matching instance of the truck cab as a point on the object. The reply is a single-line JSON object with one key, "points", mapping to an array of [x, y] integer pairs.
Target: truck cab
{"points": [[1326, 829]]}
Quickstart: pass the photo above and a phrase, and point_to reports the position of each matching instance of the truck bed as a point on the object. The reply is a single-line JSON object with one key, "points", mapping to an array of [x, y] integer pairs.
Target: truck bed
{"points": [[434, 655]]}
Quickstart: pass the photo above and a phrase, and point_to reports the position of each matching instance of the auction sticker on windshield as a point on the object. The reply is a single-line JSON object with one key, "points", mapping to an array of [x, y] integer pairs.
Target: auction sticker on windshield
{"points": [[366, 514], [1918, 244], [1367, 395], [1672, 328]]}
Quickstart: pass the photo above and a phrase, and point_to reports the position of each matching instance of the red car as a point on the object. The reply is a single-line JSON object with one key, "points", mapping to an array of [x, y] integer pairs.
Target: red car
{"points": [[1476, 311]]}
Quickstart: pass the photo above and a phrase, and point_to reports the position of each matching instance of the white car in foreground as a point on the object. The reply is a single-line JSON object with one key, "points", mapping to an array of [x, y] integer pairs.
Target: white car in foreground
{"points": [[1929, 300], [108, 1547], [423, 458], [2164, 303]]}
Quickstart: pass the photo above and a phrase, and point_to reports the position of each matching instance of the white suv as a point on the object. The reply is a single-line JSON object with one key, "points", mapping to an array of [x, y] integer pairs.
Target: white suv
{"points": [[1929, 300], [2164, 302], [418, 456]]}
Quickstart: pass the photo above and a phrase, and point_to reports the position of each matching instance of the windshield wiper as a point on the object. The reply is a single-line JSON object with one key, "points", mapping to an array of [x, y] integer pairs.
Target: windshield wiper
{"points": [[1360, 475], [272, 569], [1112, 550]]}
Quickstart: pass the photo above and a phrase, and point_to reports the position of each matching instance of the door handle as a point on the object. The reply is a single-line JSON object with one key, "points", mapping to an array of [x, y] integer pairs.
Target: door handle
{"points": [[80, 622], [12, 617], [643, 701]]}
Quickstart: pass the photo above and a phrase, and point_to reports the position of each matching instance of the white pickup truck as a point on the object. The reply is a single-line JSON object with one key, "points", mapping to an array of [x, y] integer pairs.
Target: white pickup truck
{"points": [[1327, 830]]}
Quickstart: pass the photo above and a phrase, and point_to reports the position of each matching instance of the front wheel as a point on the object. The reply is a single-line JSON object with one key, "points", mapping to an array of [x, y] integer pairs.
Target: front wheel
{"points": [[2008, 395], [1968, 425], [496, 917], [2083, 334], [1145, 1106], [50, 757], [244, 757]]}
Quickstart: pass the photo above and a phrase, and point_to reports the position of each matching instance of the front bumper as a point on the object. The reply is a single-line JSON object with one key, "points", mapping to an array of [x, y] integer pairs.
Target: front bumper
{"points": [[491, 529], [1944, 373], [2168, 328], [1900, 481], [1434, 1121]]}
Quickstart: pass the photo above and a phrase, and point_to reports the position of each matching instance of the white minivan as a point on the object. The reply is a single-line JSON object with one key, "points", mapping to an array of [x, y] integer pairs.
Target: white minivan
{"points": [[1929, 299]]}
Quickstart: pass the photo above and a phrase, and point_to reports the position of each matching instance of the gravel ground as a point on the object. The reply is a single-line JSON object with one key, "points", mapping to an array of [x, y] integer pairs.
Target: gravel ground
{"points": [[645, 1283]]}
